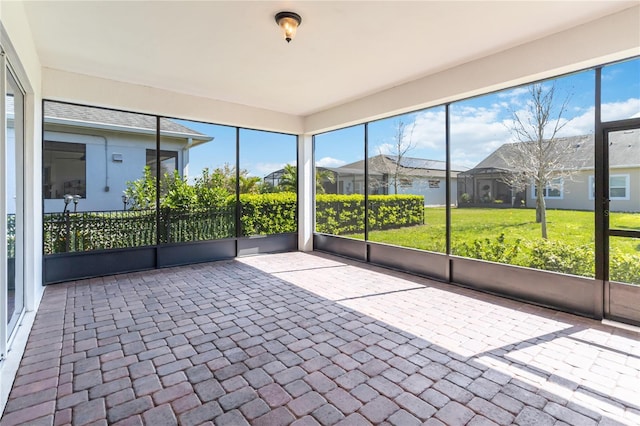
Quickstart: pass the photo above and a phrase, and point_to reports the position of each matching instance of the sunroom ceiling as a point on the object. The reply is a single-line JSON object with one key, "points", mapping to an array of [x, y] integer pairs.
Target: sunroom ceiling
{"points": [[233, 51]]}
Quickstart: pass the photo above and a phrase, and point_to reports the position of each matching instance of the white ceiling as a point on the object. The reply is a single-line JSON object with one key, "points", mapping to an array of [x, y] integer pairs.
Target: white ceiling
{"points": [[233, 50]]}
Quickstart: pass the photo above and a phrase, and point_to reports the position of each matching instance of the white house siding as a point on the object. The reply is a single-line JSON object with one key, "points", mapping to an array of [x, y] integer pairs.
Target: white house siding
{"points": [[350, 184], [432, 196], [577, 193], [131, 146], [633, 203]]}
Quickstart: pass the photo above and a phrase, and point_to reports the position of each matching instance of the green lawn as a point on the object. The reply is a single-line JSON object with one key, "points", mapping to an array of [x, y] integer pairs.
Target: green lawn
{"points": [[570, 245]]}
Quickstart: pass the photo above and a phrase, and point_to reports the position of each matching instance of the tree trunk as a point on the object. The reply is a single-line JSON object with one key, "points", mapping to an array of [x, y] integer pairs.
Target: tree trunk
{"points": [[542, 209], [395, 182], [538, 212]]}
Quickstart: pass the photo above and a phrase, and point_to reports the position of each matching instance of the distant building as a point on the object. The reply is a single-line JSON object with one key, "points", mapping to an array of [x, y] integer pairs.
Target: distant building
{"points": [[408, 175], [485, 183], [94, 152]]}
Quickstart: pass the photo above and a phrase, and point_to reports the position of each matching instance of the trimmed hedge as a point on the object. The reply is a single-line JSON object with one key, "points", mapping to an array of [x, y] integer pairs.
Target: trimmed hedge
{"points": [[261, 214], [344, 214], [70, 232], [265, 214], [11, 235]]}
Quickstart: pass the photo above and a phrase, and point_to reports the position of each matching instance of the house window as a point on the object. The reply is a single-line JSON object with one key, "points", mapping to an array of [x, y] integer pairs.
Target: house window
{"points": [[433, 183], [405, 183], [64, 169], [168, 162], [553, 190], [618, 187]]}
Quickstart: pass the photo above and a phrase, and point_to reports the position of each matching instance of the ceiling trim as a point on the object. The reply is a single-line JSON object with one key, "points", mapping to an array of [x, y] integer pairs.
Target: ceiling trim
{"points": [[608, 39]]}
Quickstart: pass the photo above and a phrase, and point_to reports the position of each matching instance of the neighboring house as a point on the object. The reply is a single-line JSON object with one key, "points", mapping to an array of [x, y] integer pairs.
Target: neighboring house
{"points": [[485, 183], [417, 176], [94, 152]]}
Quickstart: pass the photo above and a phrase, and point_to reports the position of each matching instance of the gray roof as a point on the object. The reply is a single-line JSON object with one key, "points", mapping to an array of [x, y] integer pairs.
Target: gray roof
{"points": [[409, 166], [126, 120], [624, 151]]}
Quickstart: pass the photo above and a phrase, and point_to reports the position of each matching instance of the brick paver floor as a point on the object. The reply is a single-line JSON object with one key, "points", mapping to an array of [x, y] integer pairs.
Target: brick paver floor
{"points": [[311, 339]]}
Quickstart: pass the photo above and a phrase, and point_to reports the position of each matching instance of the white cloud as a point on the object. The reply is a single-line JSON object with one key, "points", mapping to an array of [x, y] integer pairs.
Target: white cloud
{"points": [[330, 162], [263, 169], [621, 110], [514, 93], [478, 131], [384, 148], [429, 130]]}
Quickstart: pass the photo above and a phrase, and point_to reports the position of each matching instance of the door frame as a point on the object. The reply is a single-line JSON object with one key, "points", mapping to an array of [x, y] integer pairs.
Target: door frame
{"points": [[602, 204]]}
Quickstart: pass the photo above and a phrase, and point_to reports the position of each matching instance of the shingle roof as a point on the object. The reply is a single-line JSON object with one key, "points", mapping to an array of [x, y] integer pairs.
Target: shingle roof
{"points": [[624, 150], [86, 114], [410, 166]]}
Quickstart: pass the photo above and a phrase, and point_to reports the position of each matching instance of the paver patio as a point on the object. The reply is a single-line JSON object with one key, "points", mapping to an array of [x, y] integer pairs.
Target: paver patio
{"points": [[310, 339]]}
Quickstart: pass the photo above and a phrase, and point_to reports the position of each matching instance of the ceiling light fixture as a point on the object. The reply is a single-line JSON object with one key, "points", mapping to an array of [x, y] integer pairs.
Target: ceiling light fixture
{"points": [[289, 23]]}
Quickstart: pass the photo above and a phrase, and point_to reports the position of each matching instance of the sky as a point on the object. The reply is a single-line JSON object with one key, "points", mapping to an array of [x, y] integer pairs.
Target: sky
{"points": [[478, 127]]}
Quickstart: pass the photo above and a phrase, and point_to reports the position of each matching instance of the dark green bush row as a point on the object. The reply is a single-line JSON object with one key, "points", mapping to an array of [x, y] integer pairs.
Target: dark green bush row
{"points": [[264, 214], [344, 214], [553, 256], [261, 214], [11, 235], [69, 232]]}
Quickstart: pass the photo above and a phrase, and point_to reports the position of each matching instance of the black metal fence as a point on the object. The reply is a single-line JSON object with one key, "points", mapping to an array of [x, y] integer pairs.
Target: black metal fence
{"points": [[85, 231], [184, 226]]}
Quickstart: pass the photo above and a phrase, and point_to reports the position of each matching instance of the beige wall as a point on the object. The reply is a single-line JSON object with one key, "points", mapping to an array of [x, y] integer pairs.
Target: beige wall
{"points": [[21, 53], [611, 38], [633, 203], [577, 194], [66, 86]]}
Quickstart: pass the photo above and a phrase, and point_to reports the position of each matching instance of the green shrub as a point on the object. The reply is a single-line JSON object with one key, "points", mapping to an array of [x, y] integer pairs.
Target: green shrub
{"points": [[264, 214], [624, 267], [492, 250], [94, 231], [339, 214], [177, 226], [344, 214], [11, 235], [558, 256]]}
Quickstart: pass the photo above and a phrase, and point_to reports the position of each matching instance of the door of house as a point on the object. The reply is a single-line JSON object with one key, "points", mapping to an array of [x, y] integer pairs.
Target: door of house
{"points": [[621, 216], [11, 204]]}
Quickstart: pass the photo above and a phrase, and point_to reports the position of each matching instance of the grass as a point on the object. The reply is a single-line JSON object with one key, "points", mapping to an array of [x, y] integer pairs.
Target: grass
{"points": [[569, 232], [468, 224]]}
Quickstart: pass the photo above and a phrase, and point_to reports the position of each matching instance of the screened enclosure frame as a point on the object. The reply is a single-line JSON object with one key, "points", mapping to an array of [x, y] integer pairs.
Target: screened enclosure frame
{"points": [[585, 296], [66, 266]]}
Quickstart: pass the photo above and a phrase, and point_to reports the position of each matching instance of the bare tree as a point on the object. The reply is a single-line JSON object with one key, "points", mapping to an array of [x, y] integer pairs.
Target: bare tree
{"points": [[402, 144], [538, 157]]}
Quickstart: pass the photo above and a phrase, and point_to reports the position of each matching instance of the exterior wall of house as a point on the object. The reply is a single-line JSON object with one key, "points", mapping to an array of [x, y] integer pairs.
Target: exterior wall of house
{"points": [[574, 194], [577, 192], [351, 184], [433, 196], [633, 203], [102, 171]]}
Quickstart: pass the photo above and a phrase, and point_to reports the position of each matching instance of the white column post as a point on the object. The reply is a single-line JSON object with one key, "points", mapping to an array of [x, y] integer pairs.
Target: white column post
{"points": [[306, 193]]}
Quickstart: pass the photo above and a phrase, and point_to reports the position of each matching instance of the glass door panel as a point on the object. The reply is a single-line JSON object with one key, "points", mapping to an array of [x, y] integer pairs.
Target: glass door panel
{"points": [[14, 101], [623, 231]]}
